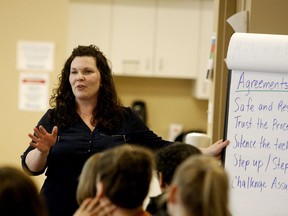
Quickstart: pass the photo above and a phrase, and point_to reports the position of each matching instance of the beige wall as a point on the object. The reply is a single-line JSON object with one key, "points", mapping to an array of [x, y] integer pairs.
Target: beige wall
{"points": [[168, 101], [25, 20]]}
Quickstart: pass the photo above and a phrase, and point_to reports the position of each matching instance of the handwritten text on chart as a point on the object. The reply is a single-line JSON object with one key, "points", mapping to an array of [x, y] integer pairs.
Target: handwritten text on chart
{"points": [[254, 119], [247, 106], [247, 85]]}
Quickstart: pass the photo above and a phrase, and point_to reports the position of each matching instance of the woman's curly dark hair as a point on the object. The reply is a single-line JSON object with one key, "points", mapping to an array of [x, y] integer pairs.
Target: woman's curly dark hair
{"points": [[109, 109]]}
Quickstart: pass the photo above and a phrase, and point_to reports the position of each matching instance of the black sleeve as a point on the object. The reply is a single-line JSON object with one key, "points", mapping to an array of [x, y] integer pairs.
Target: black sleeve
{"points": [[142, 135], [25, 167], [45, 123]]}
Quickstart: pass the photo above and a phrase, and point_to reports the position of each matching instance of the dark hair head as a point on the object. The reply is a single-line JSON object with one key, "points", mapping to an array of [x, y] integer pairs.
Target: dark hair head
{"points": [[107, 112], [126, 172], [19, 194], [170, 157]]}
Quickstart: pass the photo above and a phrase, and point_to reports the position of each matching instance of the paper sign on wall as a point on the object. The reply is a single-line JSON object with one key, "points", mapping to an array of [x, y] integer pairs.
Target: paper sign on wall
{"points": [[33, 56], [33, 92]]}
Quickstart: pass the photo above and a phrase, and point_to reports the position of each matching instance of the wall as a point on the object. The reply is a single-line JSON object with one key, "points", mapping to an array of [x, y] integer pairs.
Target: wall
{"points": [[168, 101], [268, 16], [25, 20]]}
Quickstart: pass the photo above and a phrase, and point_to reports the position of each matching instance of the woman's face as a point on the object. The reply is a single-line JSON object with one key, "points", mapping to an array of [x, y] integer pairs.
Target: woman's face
{"points": [[84, 79]]}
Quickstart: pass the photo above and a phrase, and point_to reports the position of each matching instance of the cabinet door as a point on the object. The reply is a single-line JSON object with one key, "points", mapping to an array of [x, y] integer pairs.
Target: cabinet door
{"points": [[132, 37], [88, 23], [202, 86], [177, 38]]}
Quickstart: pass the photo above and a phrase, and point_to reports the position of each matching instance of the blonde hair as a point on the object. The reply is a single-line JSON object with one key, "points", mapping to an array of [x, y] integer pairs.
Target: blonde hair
{"points": [[87, 179], [203, 186]]}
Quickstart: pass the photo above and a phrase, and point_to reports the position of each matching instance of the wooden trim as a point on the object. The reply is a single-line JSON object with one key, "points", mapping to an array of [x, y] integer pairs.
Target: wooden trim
{"points": [[224, 31]]}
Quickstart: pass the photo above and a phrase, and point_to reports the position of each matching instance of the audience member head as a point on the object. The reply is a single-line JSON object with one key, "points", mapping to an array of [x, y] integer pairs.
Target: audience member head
{"points": [[199, 188], [124, 175], [19, 194], [87, 179], [169, 158]]}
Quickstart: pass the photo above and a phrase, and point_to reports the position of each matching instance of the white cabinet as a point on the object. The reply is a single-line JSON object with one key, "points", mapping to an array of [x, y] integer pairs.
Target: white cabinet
{"points": [[177, 38], [158, 38], [89, 23], [201, 86], [154, 38], [132, 37]]}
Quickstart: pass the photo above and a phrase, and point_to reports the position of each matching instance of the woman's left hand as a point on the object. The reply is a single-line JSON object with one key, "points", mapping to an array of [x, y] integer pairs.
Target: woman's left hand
{"points": [[215, 149]]}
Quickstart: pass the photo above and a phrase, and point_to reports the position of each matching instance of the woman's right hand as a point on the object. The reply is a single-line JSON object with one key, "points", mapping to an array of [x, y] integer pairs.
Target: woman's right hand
{"points": [[42, 140]]}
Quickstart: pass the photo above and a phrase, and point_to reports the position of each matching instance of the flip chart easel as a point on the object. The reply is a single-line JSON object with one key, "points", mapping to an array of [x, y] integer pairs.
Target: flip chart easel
{"points": [[257, 124]]}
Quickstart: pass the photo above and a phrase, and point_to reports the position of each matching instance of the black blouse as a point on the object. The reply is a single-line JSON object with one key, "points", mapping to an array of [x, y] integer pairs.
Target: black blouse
{"points": [[74, 146]]}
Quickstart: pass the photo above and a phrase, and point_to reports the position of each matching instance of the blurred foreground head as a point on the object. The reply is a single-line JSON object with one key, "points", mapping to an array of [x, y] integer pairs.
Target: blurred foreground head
{"points": [[199, 188], [19, 194], [125, 173]]}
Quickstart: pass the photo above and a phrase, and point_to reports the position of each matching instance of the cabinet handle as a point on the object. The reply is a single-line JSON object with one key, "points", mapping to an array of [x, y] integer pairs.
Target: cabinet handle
{"points": [[160, 67], [147, 65]]}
